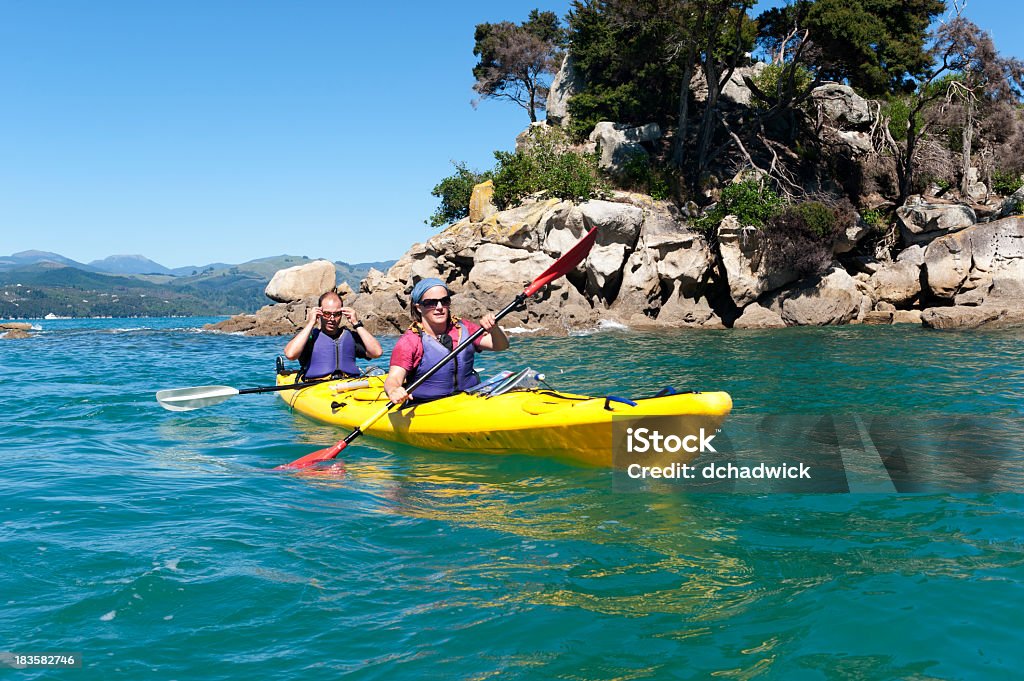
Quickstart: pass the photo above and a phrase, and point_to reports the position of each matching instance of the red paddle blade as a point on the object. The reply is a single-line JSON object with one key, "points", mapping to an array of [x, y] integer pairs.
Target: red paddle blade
{"points": [[316, 457], [567, 263]]}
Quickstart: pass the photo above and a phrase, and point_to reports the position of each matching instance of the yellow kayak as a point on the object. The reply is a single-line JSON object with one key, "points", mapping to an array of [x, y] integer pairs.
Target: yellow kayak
{"points": [[540, 422]]}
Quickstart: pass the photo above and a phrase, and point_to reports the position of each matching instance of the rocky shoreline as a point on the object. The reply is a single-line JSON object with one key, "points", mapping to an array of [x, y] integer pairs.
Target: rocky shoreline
{"points": [[650, 269]]}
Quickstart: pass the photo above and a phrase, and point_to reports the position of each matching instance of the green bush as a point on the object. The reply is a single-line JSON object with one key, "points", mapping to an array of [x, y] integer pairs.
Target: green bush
{"points": [[768, 81], [640, 174], [875, 219], [1006, 183], [819, 218], [748, 201], [455, 192], [897, 111], [546, 165]]}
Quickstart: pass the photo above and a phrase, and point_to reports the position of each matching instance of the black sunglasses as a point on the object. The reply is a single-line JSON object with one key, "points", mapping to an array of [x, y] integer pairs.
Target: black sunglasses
{"points": [[434, 302]]}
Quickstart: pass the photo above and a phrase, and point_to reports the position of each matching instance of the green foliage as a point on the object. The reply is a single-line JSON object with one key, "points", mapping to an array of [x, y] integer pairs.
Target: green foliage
{"points": [[624, 63], [749, 201], [546, 165], [640, 174], [455, 192], [875, 219], [1005, 183], [768, 81], [879, 47], [898, 111], [819, 218]]}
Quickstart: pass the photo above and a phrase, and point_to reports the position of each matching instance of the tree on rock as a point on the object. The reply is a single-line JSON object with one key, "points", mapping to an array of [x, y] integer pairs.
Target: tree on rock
{"points": [[518, 61]]}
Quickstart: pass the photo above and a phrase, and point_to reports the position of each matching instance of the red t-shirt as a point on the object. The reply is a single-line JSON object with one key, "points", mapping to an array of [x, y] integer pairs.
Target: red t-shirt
{"points": [[408, 350]]}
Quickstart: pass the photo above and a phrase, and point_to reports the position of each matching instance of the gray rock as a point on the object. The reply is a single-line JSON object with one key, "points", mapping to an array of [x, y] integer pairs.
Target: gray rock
{"points": [[876, 317], [687, 312], [897, 283], [302, 281], [742, 254], [912, 254], [619, 142], [618, 228], [907, 317], [735, 89], [566, 84], [922, 222], [757, 317], [849, 239], [983, 316], [841, 105], [831, 299], [975, 258]]}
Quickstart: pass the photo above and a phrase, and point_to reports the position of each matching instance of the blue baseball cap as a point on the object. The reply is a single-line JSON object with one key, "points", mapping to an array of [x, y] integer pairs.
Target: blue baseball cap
{"points": [[423, 285]]}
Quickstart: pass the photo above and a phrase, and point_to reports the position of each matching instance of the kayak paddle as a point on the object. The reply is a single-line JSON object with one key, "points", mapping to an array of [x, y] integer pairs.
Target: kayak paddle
{"points": [[567, 263], [187, 399]]}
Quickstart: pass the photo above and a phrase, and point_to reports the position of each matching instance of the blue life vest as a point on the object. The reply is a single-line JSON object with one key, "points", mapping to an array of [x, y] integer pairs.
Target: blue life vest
{"points": [[329, 356], [453, 377]]}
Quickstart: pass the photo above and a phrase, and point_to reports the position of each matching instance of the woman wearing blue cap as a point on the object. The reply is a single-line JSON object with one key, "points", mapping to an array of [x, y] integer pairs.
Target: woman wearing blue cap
{"points": [[432, 336]]}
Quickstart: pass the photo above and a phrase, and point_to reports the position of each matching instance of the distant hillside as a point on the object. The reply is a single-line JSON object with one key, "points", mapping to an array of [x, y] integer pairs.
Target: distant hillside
{"points": [[41, 289], [129, 264], [48, 284], [32, 257]]}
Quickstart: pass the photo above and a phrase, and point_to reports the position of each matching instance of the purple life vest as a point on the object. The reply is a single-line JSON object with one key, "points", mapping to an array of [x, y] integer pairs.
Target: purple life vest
{"points": [[453, 377], [331, 355]]}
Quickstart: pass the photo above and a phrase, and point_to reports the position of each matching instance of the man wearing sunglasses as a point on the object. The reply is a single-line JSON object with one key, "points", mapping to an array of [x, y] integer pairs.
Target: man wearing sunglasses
{"points": [[330, 350], [433, 335]]}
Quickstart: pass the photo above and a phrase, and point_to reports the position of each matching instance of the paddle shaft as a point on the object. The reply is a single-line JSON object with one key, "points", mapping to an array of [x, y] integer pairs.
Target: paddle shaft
{"points": [[519, 300], [275, 388]]}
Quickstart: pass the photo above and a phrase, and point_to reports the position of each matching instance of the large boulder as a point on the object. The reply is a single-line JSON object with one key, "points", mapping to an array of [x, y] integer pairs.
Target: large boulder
{"points": [[757, 317], [618, 143], [566, 84], [834, 298], [983, 316], [922, 222], [302, 281], [618, 228], [736, 89], [747, 273], [987, 258], [841, 105], [899, 282], [668, 255]]}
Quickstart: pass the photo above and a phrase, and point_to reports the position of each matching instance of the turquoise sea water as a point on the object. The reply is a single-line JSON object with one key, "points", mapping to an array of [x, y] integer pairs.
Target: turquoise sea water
{"points": [[158, 545]]}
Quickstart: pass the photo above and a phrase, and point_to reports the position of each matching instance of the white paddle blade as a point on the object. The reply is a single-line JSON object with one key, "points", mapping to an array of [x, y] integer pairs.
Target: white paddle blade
{"points": [[187, 399]]}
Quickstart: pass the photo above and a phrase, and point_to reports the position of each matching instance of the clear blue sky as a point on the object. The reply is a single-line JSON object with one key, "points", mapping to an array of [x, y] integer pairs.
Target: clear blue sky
{"points": [[196, 132]]}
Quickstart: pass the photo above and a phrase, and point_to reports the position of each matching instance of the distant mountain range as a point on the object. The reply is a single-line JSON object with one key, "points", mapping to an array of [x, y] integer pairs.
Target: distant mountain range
{"points": [[36, 283]]}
